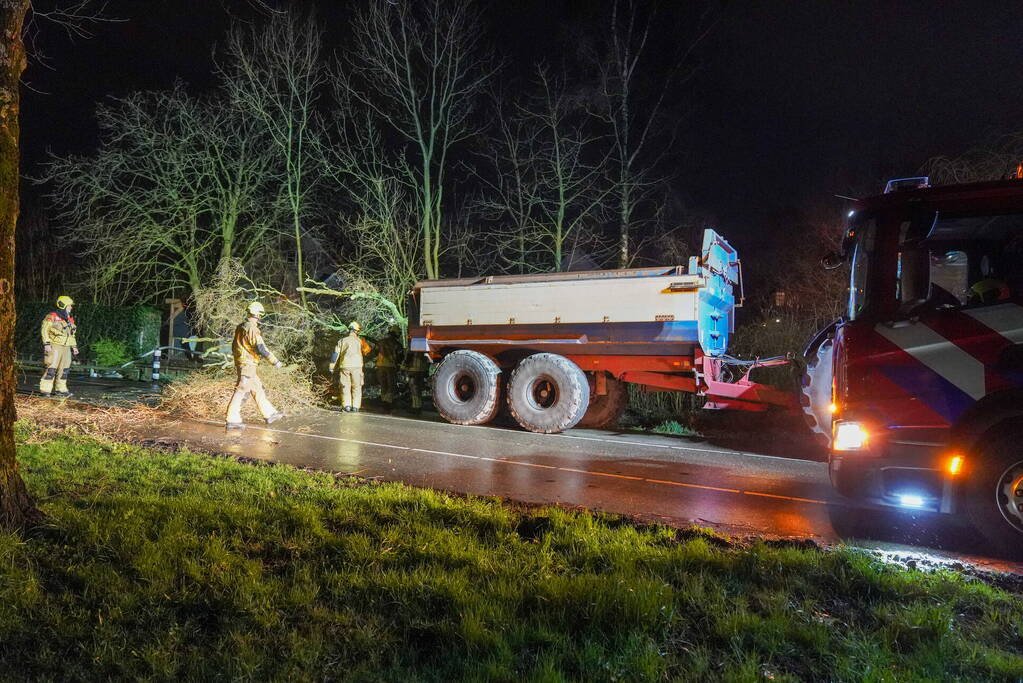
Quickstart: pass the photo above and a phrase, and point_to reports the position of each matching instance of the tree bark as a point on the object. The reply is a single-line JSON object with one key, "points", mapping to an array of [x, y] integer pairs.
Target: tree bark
{"points": [[17, 510]]}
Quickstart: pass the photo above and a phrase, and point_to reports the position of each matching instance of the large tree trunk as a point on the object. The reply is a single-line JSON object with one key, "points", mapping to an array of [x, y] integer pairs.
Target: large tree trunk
{"points": [[16, 507]]}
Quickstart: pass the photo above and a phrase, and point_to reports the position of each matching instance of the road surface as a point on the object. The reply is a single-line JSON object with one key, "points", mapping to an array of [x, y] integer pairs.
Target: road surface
{"points": [[674, 480]]}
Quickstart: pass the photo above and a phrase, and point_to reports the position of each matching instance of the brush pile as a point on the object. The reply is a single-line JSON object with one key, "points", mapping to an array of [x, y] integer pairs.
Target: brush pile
{"points": [[205, 394]]}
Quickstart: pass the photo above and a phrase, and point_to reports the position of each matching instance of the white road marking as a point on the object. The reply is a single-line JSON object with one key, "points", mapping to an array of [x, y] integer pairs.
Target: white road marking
{"points": [[508, 461], [663, 446]]}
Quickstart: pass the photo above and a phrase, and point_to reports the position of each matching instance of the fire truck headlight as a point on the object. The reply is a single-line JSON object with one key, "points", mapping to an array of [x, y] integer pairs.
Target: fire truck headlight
{"points": [[850, 436], [911, 500]]}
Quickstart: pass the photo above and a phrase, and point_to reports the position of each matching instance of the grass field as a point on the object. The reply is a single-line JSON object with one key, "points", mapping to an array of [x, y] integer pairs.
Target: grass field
{"points": [[161, 566]]}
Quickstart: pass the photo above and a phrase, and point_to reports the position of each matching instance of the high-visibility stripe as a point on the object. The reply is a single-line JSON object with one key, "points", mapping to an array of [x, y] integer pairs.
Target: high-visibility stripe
{"points": [[940, 355], [1005, 319]]}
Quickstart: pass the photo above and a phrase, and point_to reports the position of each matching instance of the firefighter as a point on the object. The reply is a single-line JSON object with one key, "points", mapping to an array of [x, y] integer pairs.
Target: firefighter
{"points": [[248, 350], [348, 356], [59, 346], [389, 351], [415, 367]]}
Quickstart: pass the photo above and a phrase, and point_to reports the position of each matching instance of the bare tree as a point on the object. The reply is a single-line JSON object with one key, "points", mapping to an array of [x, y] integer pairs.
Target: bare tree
{"points": [[567, 178], [548, 181], [176, 186], [275, 72], [17, 509], [42, 264], [505, 198], [418, 69], [379, 218], [632, 102], [1001, 157]]}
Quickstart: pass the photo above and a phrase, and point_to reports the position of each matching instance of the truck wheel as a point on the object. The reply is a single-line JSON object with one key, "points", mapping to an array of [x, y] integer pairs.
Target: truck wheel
{"points": [[604, 411], [466, 388], [815, 389], [995, 490], [548, 393]]}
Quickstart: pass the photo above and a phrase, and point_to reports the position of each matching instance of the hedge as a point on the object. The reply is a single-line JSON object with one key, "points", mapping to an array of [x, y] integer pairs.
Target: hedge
{"points": [[137, 327]]}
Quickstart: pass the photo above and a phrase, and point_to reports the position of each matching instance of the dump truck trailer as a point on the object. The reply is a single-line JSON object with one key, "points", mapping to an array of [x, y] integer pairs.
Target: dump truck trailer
{"points": [[558, 348]]}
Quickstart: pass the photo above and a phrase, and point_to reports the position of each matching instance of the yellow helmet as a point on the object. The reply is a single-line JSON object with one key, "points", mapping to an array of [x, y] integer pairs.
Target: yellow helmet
{"points": [[255, 308], [354, 325], [64, 301], [990, 290]]}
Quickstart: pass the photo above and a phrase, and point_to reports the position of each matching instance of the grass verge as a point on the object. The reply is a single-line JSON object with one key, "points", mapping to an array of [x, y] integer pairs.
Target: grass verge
{"points": [[159, 565]]}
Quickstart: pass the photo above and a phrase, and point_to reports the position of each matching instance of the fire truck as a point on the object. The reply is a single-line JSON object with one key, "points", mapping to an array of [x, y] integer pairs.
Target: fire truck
{"points": [[918, 389]]}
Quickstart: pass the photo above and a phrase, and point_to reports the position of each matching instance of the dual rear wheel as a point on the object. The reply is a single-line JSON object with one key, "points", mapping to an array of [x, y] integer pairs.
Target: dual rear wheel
{"points": [[545, 393]]}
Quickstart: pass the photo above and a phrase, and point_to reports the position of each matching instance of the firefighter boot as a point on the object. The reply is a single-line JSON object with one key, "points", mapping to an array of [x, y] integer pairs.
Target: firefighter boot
{"points": [[46, 381], [60, 386]]}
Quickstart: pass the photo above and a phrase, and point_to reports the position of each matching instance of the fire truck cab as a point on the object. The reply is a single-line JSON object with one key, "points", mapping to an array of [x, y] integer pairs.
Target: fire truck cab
{"points": [[919, 387]]}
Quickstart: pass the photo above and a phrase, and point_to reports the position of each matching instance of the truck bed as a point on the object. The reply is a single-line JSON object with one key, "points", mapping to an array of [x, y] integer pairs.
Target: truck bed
{"points": [[656, 298], [663, 311]]}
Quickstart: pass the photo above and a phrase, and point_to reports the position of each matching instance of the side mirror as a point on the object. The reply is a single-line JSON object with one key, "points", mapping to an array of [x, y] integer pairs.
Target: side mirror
{"points": [[832, 261]]}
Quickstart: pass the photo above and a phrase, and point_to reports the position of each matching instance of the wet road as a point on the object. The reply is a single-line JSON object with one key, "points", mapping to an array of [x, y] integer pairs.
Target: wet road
{"points": [[667, 479]]}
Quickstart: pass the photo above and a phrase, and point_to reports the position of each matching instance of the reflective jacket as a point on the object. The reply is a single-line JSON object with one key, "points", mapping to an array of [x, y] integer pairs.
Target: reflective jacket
{"points": [[389, 350], [415, 362], [59, 328], [349, 352], [248, 347]]}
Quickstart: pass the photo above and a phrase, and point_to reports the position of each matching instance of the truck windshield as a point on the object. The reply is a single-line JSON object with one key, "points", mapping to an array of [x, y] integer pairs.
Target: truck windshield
{"points": [[859, 283], [953, 260]]}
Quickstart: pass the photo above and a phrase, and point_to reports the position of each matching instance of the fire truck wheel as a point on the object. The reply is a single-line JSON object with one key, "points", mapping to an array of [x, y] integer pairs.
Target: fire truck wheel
{"points": [[548, 393], [604, 411], [467, 388], [816, 391], [995, 491]]}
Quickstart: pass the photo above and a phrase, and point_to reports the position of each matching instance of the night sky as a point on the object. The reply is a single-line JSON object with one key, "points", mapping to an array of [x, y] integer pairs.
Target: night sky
{"points": [[788, 103]]}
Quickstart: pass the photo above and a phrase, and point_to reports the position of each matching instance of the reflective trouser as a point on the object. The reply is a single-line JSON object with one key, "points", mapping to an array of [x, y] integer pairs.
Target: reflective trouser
{"points": [[416, 384], [351, 387], [388, 378], [248, 383], [58, 364]]}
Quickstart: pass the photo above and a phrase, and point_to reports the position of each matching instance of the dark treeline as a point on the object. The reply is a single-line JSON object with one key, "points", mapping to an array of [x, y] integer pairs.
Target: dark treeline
{"points": [[421, 147]]}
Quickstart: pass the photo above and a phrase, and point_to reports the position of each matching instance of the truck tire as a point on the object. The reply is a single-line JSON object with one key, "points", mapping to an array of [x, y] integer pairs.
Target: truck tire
{"points": [[467, 388], [994, 501], [604, 411], [548, 393], [815, 390]]}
